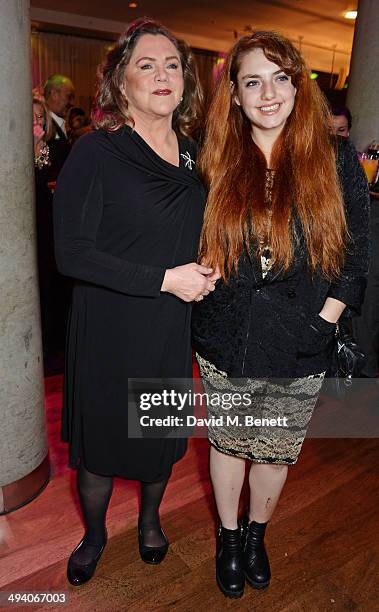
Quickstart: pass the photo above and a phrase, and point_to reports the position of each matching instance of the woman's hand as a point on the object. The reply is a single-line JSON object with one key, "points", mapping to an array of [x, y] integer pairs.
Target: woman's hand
{"points": [[215, 275], [189, 282], [38, 134]]}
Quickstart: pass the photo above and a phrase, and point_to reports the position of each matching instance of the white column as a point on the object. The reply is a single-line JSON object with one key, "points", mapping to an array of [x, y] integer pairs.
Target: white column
{"points": [[23, 446], [363, 91]]}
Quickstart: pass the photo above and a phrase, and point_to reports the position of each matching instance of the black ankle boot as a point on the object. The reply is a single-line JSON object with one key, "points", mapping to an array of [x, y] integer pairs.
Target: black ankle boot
{"points": [[256, 563], [229, 562]]}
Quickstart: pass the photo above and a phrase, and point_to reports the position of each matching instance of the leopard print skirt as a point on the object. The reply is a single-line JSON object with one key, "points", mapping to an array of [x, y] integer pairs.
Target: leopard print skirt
{"points": [[291, 402]]}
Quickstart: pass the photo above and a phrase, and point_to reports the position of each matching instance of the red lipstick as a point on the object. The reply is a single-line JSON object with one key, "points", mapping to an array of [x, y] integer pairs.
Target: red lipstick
{"points": [[162, 92]]}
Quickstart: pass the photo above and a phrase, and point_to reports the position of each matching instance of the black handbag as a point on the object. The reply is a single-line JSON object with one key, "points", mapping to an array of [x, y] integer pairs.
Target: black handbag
{"points": [[347, 361]]}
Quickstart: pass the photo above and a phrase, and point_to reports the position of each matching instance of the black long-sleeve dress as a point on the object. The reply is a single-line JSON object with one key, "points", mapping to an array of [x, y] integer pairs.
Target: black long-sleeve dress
{"points": [[122, 216]]}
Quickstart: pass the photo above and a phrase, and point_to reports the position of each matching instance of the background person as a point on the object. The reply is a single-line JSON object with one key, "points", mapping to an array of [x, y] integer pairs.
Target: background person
{"points": [[341, 121], [128, 213], [59, 93], [77, 123], [365, 327], [44, 223], [293, 253]]}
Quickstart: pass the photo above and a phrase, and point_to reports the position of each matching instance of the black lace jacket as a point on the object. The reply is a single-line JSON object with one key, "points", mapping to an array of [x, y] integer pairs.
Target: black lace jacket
{"points": [[255, 327]]}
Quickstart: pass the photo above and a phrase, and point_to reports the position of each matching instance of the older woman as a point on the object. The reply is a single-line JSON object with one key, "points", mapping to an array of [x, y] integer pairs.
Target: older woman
{"points": [[288, 229], [128, 213]]}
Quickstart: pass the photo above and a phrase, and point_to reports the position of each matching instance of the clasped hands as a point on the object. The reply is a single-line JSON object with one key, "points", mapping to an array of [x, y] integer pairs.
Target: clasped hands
{"points": [[191, 282]]}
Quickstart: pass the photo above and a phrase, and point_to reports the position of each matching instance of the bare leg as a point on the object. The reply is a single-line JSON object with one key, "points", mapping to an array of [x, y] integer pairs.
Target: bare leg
{"points": [[266, 483], [227, 475]]}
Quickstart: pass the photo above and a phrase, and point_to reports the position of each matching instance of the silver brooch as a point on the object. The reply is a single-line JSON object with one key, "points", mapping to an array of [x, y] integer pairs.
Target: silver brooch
{"points": [[189, 160]]}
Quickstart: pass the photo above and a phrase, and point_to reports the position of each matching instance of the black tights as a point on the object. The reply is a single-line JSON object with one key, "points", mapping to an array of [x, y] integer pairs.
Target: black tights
{"points": [[149, 524], [95, 492]]}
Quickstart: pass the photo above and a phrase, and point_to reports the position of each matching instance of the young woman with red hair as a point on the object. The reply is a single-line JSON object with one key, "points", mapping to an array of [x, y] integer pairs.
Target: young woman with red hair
{"points": [[286, 223]]}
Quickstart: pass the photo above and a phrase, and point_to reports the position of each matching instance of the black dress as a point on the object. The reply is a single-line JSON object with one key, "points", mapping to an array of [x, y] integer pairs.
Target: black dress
{"points": [[122, 216]]}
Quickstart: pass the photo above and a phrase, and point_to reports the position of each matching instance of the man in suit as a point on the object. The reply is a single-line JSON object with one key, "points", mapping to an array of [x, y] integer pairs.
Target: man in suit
{"points": [[59, 93]]}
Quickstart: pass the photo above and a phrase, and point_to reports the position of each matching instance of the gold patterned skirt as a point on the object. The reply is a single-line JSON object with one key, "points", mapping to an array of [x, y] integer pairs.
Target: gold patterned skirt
{"points": [[268, 428]]}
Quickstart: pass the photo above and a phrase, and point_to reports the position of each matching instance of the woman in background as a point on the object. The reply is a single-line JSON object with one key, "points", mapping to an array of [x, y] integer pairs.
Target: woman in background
{"points": [[286, 223], [341, 121], [77, 123], [47, 271], [55, 290], [41, 133]]}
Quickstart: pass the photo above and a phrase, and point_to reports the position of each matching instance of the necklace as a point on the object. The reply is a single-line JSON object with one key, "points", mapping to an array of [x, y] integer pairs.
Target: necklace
{"points": [[264, 248], [42, 159]]}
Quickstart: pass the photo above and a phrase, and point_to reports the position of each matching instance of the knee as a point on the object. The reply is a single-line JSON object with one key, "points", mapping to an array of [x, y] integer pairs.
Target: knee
{"points": [[279, 467], [269, 468]]}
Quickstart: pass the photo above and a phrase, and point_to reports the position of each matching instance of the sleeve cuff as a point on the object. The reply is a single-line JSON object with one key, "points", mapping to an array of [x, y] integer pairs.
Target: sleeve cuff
{"points": [[323, 326], [349, 293]]}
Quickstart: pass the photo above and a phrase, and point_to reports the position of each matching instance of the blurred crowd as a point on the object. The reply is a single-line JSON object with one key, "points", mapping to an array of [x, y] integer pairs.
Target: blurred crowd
{"points": [[57, 125]]}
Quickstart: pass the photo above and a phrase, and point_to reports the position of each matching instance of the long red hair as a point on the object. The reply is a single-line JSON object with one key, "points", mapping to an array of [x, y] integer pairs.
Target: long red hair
{"points": [[305, 180]]}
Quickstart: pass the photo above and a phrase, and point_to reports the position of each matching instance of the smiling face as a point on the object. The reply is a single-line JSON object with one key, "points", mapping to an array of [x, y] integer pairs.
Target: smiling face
{"points": [[153, 78], [264, 92]]}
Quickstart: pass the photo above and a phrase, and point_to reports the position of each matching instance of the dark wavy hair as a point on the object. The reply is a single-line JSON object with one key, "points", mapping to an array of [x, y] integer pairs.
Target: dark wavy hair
{"points": [[111, 106], [344, 112]]}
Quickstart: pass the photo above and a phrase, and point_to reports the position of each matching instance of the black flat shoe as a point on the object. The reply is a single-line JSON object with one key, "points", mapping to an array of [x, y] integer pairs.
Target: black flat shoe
{"points": [[230, 574], [256, 563], [78, 574], [152, 554]]}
